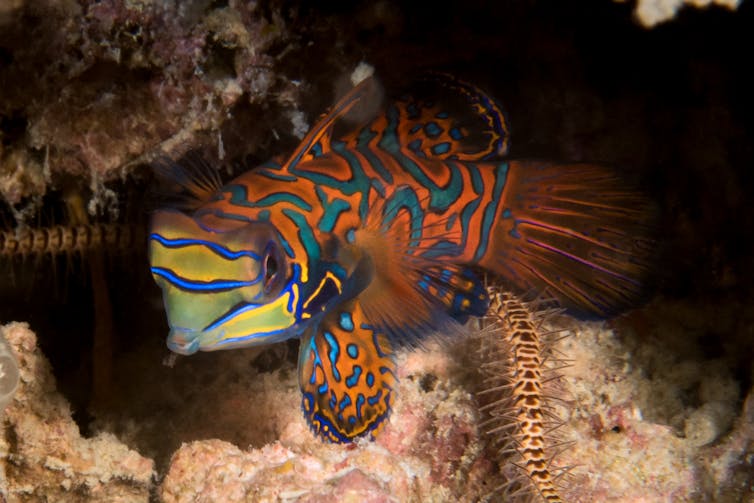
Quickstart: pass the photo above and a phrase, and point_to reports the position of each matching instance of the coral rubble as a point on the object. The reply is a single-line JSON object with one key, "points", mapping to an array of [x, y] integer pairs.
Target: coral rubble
{"points": [[432, 449], [44, 457], [653, 12], [91, 88]]}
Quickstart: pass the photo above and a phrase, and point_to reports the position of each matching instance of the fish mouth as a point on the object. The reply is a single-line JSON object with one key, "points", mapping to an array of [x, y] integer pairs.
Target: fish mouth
{"points": [[183, 341]]}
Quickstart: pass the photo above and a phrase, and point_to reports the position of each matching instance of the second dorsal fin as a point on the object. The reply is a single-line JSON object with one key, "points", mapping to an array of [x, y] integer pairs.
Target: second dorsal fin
{"points": [[448, 118], [439, 117]]}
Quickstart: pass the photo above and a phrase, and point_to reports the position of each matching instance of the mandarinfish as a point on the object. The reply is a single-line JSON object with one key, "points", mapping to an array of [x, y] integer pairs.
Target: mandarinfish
{"points": [[370, 240]]}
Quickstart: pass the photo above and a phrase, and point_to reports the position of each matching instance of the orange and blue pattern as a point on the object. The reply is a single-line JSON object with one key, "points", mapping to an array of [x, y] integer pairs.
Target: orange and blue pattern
{"points": [[368, 241]]}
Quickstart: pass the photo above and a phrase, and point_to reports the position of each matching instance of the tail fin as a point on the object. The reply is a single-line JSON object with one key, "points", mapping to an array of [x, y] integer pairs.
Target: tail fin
{"points": [[577, 231]]}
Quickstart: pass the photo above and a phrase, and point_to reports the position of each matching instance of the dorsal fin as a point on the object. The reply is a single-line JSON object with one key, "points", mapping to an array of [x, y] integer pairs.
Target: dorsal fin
{"points": [[189, 182], [317, 141]]}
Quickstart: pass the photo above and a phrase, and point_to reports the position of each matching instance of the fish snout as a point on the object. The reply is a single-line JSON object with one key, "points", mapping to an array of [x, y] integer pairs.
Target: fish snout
{"points": [[183, 341]]}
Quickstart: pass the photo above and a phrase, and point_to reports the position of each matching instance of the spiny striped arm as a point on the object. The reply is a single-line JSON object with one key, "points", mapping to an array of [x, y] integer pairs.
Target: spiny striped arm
{"points": [[514, 351]]}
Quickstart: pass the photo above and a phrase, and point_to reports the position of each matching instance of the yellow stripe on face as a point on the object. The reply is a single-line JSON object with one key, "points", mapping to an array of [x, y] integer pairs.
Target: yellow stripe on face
{"points": [[198, 263], [257, 323]]}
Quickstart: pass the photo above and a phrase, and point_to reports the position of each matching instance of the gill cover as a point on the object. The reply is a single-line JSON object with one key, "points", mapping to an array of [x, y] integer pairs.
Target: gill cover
{"points": [[222, 288]]}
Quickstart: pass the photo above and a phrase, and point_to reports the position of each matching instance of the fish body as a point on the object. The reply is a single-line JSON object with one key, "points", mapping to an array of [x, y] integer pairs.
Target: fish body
{"points": [[367, 241]]}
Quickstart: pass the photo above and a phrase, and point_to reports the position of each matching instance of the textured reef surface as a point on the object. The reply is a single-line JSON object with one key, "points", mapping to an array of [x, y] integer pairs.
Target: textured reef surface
{"points": [[656, 405], [232, 437], [44, 456]]}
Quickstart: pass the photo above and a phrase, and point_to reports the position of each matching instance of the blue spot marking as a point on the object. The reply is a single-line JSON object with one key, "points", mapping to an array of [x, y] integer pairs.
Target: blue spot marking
{"points": [[440, 197], [264, 215], [507, 213], [345, 402], [352, 420], [353, 379], [372, 400], [432, 129], [352, 350], [333, 400], [370, 379], [351, 235], [359, 404], [416, 128], [441, 148], [333, 354], [213, 286], [317, 360], [216, 248], [442, 115], [322, 389], [346, 323], [415, 145], [456, 133], [385, 370]]}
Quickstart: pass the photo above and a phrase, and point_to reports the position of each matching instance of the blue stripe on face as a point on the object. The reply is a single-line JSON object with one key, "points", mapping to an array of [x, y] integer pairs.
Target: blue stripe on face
{"points": [[255, 335], [220, 250], [215, 286]]}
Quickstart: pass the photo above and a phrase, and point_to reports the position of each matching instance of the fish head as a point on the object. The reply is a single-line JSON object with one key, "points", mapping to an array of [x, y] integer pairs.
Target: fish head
{"points": [[223, 287]]}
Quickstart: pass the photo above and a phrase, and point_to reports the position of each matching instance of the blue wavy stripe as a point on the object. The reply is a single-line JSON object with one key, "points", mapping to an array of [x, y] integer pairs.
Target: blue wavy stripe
{"points": [[218, 249], [214, 286]]}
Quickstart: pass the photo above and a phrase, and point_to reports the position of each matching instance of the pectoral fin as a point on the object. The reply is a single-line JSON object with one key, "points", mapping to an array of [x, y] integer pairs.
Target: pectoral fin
{"points": [[346, 375]]}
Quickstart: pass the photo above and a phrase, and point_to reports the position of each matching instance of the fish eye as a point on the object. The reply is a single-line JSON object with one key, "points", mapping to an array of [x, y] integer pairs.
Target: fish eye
{"points": [[271, 267]]}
